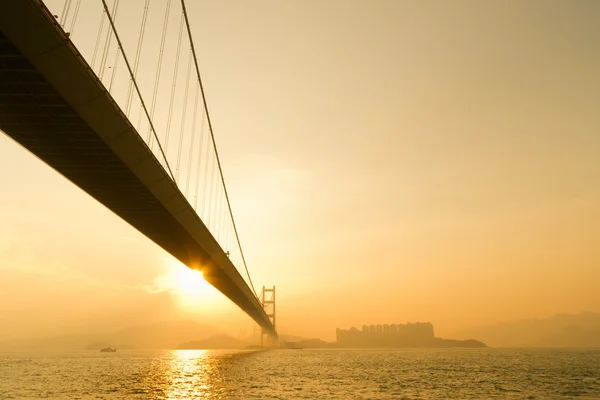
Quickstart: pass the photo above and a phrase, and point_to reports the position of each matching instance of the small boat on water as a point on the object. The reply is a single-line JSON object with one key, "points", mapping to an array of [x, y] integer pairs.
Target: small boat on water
{"points": [[107, 350]]}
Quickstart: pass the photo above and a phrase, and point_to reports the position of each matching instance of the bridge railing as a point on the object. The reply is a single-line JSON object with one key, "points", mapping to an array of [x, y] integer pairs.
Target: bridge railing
{"points": [[141, 51]]}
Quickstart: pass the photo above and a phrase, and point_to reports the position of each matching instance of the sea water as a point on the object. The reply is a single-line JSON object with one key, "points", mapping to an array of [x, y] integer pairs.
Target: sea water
{"points": [[303, 374]]}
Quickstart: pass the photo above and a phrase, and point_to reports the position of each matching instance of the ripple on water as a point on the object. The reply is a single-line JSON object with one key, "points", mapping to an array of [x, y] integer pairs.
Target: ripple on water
{"points": [[306, 374]]}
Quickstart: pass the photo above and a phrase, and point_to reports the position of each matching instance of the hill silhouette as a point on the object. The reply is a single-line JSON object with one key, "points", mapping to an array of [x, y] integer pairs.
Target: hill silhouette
{"points": [[215, 342], [561, 330], [159, 335]]}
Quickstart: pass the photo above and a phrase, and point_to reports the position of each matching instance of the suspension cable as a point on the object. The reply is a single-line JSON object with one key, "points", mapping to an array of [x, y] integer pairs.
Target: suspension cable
{"points": [[185, 99], [112, 24], [65, 12], [189, 31], [137, 56], [97, 46], [218, 204], [200, 148], [211, 192], [174, 84], [159, 66], [208, 163], [191, 157], [115, 9], [224, 225], [75, 14], [221, 219], [114, 69]]}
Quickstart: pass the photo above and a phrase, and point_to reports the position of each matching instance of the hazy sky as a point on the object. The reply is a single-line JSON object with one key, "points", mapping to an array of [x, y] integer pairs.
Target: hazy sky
{"points": [[387, 161]]}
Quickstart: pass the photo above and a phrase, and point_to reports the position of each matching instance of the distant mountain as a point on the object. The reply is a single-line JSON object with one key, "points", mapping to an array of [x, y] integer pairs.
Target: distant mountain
{"points": [[561, 330], [215, 342], [64, 342], [160, 335]]}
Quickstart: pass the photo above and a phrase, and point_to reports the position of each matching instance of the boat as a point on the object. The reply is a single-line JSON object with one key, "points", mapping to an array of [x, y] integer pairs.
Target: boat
{"points": [[107, 350]]}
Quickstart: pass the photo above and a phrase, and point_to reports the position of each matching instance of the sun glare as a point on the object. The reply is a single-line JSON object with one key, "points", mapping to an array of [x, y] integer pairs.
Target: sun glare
{"points": [[186, 284], [190, 281]]}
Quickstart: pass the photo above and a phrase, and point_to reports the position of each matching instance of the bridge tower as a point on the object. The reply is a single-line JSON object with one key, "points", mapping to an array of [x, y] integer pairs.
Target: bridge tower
{"points": [[268, 303]]}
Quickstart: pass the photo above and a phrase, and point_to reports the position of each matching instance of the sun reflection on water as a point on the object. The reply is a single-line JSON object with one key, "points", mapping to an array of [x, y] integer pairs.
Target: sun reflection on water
{"points": [[193, 374]]}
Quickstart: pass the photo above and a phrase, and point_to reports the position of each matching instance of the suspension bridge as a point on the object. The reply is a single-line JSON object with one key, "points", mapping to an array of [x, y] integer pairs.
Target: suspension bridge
{"points": [[110, 95]]}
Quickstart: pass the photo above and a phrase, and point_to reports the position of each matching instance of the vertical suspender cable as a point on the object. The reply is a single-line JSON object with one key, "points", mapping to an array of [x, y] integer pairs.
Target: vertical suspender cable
{"points": [[189, 31], [185, 98], [174, 84], [207, 158], [221, 219], [138, 126], [221, 226], [229, 234], [98, 39], [114, 70], [200, 148], [65, 11], [108, 40], [112, 24], [224, 225], [137, 56], [159, 67], [191, 157], [218, 203], [75, 14], [211, 192]]}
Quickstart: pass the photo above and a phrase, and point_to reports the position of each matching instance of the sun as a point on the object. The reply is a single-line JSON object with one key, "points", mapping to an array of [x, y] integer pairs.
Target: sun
{"points": [[188, 286], [190, 281]]}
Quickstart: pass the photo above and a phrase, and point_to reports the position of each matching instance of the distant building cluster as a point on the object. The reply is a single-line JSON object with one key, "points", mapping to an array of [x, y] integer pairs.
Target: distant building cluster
{"points": [[394, 335]]}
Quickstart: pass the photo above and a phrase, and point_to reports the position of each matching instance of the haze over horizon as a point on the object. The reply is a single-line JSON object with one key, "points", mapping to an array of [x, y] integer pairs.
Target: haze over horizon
{"points": [[387, 162]]}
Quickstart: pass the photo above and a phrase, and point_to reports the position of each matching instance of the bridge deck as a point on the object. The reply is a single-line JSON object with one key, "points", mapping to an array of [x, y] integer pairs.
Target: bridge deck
{"points": [[52, 103]]}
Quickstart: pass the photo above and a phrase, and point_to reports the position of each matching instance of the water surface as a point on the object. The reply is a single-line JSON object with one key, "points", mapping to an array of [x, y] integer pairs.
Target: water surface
{"points": [[303, 374]]}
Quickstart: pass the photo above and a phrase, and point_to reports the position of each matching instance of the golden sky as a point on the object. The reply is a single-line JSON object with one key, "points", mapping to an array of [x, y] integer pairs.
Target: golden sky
{"points": [[387, 161]]}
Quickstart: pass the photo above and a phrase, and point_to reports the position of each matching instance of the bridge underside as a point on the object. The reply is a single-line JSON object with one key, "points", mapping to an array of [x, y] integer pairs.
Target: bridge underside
{"points": [[52, 103]]}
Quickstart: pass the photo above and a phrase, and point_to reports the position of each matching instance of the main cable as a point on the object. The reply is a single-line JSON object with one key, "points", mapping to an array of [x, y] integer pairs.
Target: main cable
{"points": [[115, 9], [137, 89], [189, 31]]}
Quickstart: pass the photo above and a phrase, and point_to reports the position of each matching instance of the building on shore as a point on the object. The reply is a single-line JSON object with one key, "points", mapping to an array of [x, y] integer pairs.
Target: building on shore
{"points": [[401, 335], [418, 334]]}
